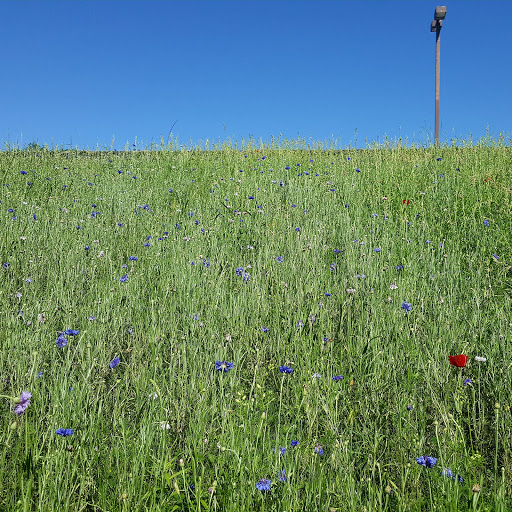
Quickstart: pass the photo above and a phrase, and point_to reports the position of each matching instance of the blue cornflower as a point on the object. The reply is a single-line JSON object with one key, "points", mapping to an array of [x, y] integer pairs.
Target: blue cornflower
{"points": [[448, 473], [467, 381], [34, 216], [337, 377], [239, 271], [377, 249], [251, 197], [494, 256], [246, 277], [263, 484], [297, 229], [486, 222], [64, 432], [428, 462], [327, 294], [133, 258], [294, 443], [114, 362], [39, 375], [300, 323], [285, 369], [319, 450], [147, 244], [124, 278], [6, 265], [282, 475], [399, 267], [224, 366], [23, 172], [61, 341], [332, 266], [190, 214], [406, 306], [86, 247], [206, 263], [280, 259], [72, 332], [264, 329], [358, 170]]}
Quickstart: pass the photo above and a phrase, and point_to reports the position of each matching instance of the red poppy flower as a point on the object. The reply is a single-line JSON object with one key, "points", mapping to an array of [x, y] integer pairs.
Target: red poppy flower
{"points": [[406, 201], [459, 361], [487, 179]]}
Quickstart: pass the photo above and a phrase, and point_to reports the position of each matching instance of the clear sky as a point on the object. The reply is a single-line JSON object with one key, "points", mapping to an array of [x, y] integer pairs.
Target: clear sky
{"points": [[82, 73]]}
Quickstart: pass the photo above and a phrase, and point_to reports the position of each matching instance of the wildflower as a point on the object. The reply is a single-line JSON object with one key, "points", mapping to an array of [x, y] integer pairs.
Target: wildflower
{"points": [[114, 362], [350, 290], [239, 271], [448, 473], [319, 449], [264, 329], [72, 332], [246, 277], [64, 432], [466, 382], [428, 462], [337, 377], [406, 201], [327, 294], [164, 425], [61, 341], [377, 249], [300, 323], [399, 267], [406, 306], [459, 361], [22, 403], [332, 266], [480, 359], [409, 407], [282, 475], [280, 259], [224, 366], [263, 484], [39, 375], [486, 222], [294, 443], [133, 258], [285, 369], [316, 376], [124, 278]]}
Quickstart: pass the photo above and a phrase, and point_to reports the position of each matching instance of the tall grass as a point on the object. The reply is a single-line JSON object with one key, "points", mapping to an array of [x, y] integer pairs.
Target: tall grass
{"points": [[322, 237]]}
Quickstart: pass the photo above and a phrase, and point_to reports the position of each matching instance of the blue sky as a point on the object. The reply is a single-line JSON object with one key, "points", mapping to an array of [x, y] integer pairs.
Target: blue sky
{"points": [[101, 74]]}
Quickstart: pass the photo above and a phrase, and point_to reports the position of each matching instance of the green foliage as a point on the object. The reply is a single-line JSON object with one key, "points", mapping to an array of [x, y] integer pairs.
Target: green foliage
{"points": [[164, 430]]}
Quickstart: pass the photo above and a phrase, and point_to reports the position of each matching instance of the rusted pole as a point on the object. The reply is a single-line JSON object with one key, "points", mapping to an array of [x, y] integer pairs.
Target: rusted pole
{"points": [[438, 77], [436, 26]]}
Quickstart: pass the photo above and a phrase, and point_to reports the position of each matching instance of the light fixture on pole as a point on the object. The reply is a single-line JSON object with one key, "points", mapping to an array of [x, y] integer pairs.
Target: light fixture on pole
{"points": [[435, 26]]}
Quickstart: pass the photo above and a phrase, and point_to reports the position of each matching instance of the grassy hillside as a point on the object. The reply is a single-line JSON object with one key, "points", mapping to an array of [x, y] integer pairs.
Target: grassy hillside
{"points": [[337, 283]]}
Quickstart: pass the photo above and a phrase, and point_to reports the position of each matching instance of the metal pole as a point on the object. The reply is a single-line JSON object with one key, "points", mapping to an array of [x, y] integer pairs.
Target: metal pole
{"points": [[438, 76]]}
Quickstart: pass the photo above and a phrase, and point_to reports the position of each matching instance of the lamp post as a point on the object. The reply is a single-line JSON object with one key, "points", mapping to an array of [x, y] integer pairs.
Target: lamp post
{"points": [[435, 26]]}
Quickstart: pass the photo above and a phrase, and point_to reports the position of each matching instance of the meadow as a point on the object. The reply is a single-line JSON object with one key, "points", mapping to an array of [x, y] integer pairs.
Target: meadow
{"points": [[256, 329]]}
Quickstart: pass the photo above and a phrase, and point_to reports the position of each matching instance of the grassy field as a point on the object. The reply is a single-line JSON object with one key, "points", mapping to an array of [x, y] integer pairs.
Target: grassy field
{"points": [[256, 329]]}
